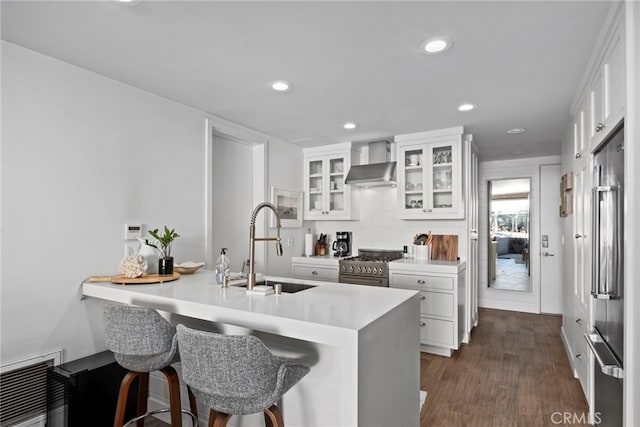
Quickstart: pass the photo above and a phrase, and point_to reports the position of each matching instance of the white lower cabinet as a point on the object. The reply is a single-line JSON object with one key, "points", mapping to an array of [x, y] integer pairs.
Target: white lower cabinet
{"points": [[442, 301], [315, 268], [581, 351]]}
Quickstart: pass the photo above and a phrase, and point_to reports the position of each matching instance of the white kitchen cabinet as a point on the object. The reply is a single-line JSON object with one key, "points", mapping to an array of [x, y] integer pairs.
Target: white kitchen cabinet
{"points": [[443, 299], [581, 353], [430, 174], [580, 134], [315, 268], [607, 89], [325, 193], [582, 237]]}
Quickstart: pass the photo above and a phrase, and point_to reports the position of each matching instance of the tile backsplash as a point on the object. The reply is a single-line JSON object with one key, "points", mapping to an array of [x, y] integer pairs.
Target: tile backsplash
{"points": [[379, 226]]}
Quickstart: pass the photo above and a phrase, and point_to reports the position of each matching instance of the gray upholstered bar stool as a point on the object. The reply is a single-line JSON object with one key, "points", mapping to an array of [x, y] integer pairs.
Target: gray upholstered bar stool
{"points": [[236, 375], [142, 341]]}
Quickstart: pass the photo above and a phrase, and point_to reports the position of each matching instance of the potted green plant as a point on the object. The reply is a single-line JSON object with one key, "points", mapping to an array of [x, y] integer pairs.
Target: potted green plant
{"points": [[162, 244]]}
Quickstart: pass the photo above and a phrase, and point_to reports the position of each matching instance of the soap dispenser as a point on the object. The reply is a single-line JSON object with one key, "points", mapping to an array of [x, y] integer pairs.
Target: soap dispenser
{"points": [[223, 266]]}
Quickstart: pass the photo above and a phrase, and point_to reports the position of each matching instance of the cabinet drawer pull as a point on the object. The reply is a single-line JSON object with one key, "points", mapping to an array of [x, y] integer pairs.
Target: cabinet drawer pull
{"points": [[578, 236], [579, 321], [422, 297], [599, 127], [420, 281], [579, 356], [578, 155], [315, 273], [423, 324]]}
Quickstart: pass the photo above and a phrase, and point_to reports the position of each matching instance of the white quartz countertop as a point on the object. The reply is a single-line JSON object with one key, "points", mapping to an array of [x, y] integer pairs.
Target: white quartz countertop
{"points": [[429, 266], [316, 313]]}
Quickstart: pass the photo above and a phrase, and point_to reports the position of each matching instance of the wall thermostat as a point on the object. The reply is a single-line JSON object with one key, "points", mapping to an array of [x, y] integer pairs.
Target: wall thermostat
{"points": [[132, 231]]}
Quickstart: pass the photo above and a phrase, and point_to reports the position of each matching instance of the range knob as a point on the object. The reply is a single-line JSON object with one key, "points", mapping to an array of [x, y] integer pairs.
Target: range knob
{"points": [[369, 270], [359, 269], [351, 268]]}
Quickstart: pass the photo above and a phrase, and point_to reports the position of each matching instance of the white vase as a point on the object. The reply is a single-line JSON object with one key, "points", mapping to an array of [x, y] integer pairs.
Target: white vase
{"points": [[150, 256]]}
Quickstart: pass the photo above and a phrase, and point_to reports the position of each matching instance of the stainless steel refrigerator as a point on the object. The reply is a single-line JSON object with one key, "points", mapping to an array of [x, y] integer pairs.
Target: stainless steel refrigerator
{"points": [[606, 340]]}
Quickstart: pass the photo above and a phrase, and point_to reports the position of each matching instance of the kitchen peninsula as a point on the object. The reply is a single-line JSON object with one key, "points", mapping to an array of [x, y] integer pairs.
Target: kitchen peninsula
{"points": [[361, 342]]}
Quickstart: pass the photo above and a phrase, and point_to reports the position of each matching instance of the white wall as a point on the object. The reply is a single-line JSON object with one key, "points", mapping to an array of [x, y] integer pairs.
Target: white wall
{"points": [[232, 191], [519, 168], [81, 156], [284, 168]]}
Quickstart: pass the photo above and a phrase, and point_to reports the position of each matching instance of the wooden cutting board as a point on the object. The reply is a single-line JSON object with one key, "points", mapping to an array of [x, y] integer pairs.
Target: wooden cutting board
{"points": [[145, 279], [444, 247]]}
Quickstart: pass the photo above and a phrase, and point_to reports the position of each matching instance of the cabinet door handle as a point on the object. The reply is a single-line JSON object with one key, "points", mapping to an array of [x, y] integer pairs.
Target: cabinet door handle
{"points": [[423, 324], [420, 281], [422, 297], [578, 155], [315, 273], [579, 321], [599, 127], [578, 236], [579, 356]]}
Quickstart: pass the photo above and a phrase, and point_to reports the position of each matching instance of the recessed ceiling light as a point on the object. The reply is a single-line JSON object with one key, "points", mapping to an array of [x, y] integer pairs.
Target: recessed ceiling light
{"points": [[281, 85], [129, 2], [516, 131], [435, 45], [467, 106], [349, 125]]}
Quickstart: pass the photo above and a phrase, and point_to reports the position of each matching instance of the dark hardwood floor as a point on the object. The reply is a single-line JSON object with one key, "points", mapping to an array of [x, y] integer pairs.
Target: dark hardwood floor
{"points": [[514, 372]]}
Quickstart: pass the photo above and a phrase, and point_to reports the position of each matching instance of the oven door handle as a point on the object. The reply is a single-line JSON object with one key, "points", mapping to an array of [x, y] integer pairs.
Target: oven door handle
{"points": [[604, 356], [360, 280]]}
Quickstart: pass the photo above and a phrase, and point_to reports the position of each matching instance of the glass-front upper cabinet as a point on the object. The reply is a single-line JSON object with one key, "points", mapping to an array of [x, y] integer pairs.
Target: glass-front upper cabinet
{"points": [[429, 175], [326, 195]]}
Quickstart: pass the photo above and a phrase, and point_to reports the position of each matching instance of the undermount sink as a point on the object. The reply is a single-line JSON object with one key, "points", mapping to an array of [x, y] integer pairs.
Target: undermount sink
{"points": [[287, 288]]}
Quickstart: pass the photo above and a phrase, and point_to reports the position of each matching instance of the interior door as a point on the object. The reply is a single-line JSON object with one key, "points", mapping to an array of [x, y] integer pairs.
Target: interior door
{"points": [[550, 241]]}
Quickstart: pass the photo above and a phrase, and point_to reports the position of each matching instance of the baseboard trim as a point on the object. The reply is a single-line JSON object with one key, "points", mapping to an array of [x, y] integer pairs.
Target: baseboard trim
{"points": [[507, 305]]}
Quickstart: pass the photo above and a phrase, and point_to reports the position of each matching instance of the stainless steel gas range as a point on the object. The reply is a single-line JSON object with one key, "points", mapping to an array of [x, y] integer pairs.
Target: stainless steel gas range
{"points": [[368, 268]]}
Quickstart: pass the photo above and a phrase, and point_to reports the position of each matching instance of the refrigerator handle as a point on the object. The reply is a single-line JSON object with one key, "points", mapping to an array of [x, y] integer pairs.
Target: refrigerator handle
{"points": [[604, 357], [595, 233], [606, 194]]}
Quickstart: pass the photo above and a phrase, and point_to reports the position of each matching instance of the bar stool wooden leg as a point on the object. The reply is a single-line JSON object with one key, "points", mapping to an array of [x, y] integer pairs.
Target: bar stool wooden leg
{"points": [[125, 385], [273, 417], [218, 419], [174, 395], [143, 394]]}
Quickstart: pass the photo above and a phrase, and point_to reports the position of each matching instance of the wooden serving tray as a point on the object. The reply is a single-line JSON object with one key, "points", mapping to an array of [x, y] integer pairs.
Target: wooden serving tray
{"points": [[145, 279]]}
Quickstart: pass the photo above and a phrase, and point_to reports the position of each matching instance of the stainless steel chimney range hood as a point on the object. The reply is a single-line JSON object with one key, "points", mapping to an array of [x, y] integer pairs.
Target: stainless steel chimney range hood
{"points": [[379, 172]]}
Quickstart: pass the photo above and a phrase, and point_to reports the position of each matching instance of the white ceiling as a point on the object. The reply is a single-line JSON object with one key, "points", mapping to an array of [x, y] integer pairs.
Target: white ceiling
{"points": [[520, 62]]}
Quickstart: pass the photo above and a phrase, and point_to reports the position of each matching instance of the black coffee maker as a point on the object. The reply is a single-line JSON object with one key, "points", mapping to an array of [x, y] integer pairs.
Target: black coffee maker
{"points": [[342, 244]]}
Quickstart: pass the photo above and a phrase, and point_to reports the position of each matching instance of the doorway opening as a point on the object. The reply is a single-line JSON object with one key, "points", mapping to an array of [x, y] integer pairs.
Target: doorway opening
{"points": [[509, 225]]}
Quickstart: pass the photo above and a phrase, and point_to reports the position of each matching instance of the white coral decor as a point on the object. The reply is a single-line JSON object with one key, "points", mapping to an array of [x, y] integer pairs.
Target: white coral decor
{"points": [[133, 266]]}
